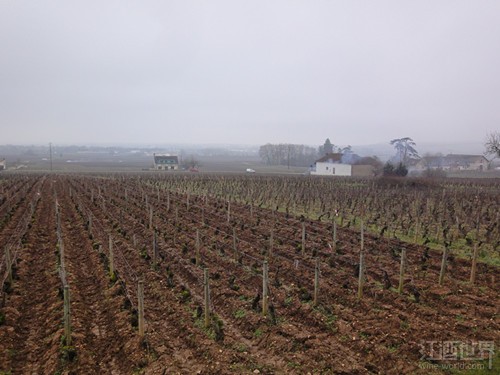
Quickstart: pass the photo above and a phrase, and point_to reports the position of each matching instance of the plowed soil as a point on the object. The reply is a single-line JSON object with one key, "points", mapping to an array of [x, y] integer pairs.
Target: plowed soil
{"points": [[379, 333]]}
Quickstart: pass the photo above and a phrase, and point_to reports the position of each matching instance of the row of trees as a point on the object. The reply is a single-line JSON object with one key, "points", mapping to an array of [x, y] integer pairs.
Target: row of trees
{"points": [[298, 155], [288, 154]]}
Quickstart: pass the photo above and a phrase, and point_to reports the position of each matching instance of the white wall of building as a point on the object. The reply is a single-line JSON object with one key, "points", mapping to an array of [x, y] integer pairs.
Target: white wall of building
{"points": [[332, 169]]}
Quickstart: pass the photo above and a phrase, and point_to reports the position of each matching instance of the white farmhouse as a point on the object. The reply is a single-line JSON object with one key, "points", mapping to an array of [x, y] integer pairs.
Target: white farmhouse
{"points": [[331, 165], [453, 162], [166, 162]]}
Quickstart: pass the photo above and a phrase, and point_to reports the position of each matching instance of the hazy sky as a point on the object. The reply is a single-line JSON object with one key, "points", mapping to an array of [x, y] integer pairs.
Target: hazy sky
{"points": [[249, 72]]}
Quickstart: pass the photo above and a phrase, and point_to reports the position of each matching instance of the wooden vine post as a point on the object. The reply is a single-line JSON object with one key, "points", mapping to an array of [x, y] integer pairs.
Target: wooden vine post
{"points": [[228, 210], [334, 235], [265, 281], [150, 217], [402, 270], [416, 232], [303, 237], [61, 254], [67, 316], [197, 255], [316, 282], [362, 236], [155, 249], [140, 307], [206, 297], [474, 264], [361, 279], [443, 265]]}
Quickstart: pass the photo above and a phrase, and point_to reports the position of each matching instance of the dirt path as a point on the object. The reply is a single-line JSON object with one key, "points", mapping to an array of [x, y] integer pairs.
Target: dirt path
{"points": [[29, 341], [102, 336]]}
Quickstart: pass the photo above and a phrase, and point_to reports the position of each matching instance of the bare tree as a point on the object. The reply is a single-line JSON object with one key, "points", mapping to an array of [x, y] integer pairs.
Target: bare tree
{"points": [[287, 154], [265, 152], [405, 150], [191, 162], [492, 144]]}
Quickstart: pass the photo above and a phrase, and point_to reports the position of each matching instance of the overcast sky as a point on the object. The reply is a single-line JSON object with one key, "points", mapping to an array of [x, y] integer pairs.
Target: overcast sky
{"points": [[249, 72]]}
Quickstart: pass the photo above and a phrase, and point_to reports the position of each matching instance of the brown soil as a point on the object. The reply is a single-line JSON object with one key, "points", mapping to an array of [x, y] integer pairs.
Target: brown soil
{"points": [[381, 333]]}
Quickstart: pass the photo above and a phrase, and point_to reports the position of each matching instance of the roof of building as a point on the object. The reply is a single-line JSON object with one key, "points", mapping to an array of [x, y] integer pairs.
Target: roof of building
{"points": [[452, 160], [367, 160], [162, 158], [466, 158], [330, 158]]}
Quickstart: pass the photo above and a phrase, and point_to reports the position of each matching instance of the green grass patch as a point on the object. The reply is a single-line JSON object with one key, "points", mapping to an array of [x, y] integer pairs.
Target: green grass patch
{"points": [[239, 314], [258, 333]]}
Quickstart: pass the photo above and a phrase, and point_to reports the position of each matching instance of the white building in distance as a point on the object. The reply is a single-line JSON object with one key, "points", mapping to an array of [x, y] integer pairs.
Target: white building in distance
{"points": [[166, 162]]}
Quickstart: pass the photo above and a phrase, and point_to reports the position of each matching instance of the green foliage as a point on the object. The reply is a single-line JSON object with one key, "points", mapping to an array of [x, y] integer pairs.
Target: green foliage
{"points": [[216, 328], [68, 353], [258, 332], [393, 348], [238, 314], [241, 348], [144, 254], [391, 171], [184, 295], [293, 365], [305, 295], [481, 367]]}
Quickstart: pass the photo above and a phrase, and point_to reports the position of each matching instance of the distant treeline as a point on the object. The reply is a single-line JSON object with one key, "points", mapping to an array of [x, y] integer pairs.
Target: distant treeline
{"points": [[288, 154]]}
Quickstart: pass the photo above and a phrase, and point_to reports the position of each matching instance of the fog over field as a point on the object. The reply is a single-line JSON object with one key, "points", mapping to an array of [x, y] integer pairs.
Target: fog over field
{"points": [[239, 72]]}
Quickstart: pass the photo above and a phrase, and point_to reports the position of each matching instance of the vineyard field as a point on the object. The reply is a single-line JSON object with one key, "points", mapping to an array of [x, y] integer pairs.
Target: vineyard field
{"points": [[226, 274]]}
